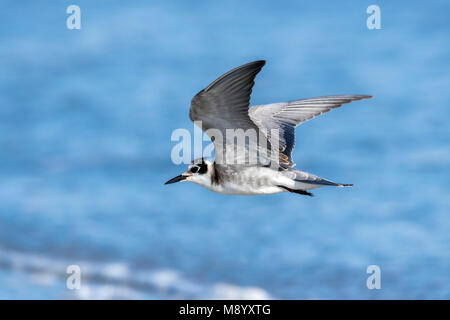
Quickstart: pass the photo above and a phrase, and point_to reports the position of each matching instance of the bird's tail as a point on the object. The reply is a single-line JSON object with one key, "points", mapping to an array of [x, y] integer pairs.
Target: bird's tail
{"points": [[311, 179]]}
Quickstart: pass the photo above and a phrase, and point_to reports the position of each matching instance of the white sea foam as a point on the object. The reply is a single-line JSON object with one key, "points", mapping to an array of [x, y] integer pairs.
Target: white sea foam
{"points": [[118, 281]]}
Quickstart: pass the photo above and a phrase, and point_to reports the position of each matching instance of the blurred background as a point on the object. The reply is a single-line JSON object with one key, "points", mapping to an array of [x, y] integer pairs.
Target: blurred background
{"points": [[86, 118]]}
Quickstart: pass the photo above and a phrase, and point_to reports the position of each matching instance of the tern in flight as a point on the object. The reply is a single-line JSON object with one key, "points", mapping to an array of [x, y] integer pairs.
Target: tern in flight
{"points": [[223, 107]]}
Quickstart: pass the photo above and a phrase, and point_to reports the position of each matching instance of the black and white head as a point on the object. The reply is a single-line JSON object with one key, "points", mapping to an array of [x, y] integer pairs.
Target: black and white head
{"points": [[199, 172]]}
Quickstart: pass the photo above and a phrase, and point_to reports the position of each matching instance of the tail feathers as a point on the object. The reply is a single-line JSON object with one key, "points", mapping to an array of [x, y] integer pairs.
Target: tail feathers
{"points": [[312, 180], [323, 182]]}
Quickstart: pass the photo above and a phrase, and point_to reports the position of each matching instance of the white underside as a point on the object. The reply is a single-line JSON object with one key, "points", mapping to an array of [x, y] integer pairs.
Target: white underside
{"points": [[256, 181]]}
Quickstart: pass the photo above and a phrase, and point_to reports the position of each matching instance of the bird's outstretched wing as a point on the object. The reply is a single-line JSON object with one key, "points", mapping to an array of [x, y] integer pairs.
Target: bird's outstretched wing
{"points": [[285, 116], [224, 105]]}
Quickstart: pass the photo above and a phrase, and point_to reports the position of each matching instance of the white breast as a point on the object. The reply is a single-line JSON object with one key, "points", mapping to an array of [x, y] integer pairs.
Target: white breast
{"points": [[252, 181]]}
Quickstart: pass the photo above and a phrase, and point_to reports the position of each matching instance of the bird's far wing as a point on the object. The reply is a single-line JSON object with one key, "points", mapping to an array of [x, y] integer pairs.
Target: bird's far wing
{"points": [[285, 116], [224, 105]]}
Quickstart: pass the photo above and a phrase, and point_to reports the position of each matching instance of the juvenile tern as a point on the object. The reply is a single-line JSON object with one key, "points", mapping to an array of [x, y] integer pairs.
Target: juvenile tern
{"points": [[223, 106]]}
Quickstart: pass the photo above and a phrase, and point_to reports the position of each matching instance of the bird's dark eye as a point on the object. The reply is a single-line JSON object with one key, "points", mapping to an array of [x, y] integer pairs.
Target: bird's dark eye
{"points": [[194, 169]]}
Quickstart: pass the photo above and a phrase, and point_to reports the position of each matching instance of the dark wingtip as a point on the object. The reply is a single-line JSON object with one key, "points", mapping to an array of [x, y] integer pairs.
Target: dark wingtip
{"points": [[259, 63]]}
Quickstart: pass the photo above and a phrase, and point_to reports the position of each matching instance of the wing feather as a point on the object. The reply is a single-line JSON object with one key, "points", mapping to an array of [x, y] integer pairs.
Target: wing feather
{"points": [[224, 105], [285, 116]]}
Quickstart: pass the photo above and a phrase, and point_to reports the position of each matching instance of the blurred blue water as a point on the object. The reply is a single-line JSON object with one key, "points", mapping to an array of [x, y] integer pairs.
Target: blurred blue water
{"points": [[85, 124]]}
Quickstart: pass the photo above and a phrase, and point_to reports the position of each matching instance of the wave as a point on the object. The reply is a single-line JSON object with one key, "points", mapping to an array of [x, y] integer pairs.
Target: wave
{"points": [[116, 280]]}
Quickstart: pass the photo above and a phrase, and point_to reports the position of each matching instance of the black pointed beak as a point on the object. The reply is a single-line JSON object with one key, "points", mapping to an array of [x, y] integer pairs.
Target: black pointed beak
{"points": [[176, 179]]}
